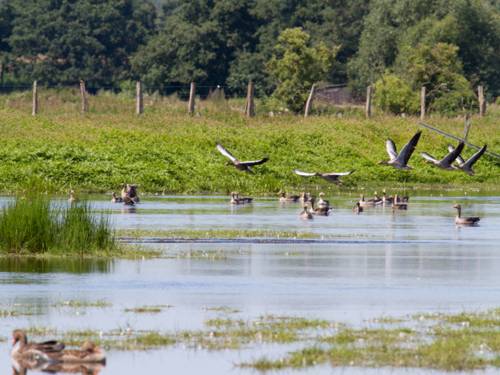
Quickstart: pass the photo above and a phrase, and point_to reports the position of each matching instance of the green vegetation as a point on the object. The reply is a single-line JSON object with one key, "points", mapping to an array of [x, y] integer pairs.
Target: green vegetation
{"points": [[155, 309], [78, 304], [214, 233], [167, 151], [31, 225]]}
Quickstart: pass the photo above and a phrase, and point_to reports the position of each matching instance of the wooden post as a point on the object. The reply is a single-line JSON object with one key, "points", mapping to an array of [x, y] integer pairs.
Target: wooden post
{"points": [[250, 106], [467, 126], [309, 101], [192, 93], [83, 94], [482, 101], [139, 100], [368, 106], [422, 103], [34, 110]]}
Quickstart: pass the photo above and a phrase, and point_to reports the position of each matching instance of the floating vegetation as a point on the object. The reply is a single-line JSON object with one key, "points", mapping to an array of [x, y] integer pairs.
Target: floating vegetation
{"points": [[13, 313], [80, 304], [156, 309], [216, 233], [202, 254], [222, 309]]}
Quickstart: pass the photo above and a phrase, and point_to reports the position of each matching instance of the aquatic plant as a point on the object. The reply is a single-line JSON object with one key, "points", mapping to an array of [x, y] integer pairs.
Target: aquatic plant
{"points": [[32, 224]]}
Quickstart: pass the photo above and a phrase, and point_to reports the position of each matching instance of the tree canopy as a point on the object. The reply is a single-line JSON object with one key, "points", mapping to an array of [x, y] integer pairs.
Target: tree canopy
{"points": [[168, 43]]}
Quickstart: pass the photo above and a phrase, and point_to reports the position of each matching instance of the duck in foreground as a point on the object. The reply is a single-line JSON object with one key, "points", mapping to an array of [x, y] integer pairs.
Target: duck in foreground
{"points": [[89, 353], [33, 352], [400, 161], [399, 205], [323, 207], [306, 213], [357, 209], [240, 165], [459, 220]]}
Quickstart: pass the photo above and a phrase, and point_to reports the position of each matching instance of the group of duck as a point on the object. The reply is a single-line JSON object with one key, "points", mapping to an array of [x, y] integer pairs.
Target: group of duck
{"points": [[451, 161], [52, 356]]}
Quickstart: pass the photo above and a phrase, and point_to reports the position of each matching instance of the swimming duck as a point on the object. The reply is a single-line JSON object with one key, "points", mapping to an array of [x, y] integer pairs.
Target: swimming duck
{"points": [[446, 162], [132, 193], [127, 201], [357, 209], [459, 220], [386, 200], [306, 213], [72, 198], [286, 198], [33, 352], [240, 165], [400, 161], [323, 206], [305, 197], [89, 353], [466, 166], [399, 205], [115, 199], [236, 199], [367, 203]]}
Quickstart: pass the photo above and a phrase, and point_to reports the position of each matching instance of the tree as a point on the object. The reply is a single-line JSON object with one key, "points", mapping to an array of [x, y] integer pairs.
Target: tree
{"points": [[296, 65], [394, 95], [62, 41]]}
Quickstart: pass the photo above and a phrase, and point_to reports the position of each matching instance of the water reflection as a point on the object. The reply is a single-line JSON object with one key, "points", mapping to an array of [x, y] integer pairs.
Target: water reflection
{"points": [[50, 265], [23, 368]]}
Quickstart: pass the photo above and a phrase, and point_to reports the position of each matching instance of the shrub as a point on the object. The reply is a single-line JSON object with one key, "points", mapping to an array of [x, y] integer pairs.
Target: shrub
{"points": [[394, 95]]}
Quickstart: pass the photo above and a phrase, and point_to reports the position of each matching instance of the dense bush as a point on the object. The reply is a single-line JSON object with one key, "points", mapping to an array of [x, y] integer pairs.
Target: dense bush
{"points": [[394, 95]]}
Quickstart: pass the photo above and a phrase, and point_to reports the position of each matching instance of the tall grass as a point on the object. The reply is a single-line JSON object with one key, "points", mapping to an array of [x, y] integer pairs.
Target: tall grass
{"points": [[34, 225]]}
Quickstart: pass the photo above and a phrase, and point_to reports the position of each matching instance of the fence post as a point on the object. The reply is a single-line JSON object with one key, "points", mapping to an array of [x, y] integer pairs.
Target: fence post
{"points": [[309, 101], [139, 100], [250, 106], [368, 106], [422, 103], [482, 101], [467, 125], [192, 93], [83, 94], [34, 109]]}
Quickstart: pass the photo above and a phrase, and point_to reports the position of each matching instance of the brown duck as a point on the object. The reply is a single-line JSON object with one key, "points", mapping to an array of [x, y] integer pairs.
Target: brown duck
{"points": [[459, 220], [33, 352]]}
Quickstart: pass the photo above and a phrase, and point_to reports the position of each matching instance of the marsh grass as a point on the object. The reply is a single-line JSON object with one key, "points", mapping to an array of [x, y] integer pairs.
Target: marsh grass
{"points": [[168, 151], [150, 309], [81, 304], [32, 224], [216, 233]]}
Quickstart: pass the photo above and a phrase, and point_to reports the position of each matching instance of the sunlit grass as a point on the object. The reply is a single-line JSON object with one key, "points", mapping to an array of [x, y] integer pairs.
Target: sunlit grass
{"points": [[165, 150]]}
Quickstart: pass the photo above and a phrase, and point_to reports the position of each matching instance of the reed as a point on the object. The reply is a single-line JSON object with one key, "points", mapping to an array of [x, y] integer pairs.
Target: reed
{"points": [[34, 224]]}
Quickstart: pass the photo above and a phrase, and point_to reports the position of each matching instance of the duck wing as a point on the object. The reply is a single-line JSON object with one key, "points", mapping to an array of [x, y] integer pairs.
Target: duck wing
{"points": [[459, 159], [428, 157], [452, 156], [391, 149], [305, 174], [49, 346], [226, 153], [254, 162], [408, 149], [472, 160]]}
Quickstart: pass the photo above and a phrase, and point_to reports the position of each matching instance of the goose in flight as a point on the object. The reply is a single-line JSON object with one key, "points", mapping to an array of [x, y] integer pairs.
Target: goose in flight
{"points": [[330, 177], [400, 161], [240, 165], [466, 166], [447, 161]]}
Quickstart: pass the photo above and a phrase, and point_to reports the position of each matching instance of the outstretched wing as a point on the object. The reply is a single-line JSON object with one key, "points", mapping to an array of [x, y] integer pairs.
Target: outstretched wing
{"points": [[226, 153], [470, 162], [451, 157], [305, 174], [336, 174], [459, 159], [254, 162], [391, 149], [428, 157], [408, 149]]}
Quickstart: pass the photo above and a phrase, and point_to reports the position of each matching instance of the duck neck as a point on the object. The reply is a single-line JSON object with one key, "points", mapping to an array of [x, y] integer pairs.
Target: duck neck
{"points": [[459, 212]]}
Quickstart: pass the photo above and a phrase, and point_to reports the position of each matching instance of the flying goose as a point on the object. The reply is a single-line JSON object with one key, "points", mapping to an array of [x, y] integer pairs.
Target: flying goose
{"points": [[400, 161], [37, 352], [330, 177], [447, 161], [466, 166], [240, 165], [459, 220]]}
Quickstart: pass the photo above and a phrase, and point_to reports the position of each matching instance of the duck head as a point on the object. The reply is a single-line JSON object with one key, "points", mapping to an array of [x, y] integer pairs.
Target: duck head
{"points": [[19, 337]]}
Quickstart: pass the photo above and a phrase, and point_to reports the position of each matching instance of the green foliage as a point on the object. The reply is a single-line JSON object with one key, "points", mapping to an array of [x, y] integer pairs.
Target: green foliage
{"points": [[394, 95], [32, 225], [61, 42], [296, 65]]}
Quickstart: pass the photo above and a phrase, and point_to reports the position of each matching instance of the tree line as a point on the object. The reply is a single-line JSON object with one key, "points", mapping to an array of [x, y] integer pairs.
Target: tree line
{"points": [[449, 46]]}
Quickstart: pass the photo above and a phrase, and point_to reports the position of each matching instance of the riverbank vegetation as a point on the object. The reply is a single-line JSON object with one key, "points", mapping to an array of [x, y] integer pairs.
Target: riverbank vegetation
{"points": [[167, 151]]}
